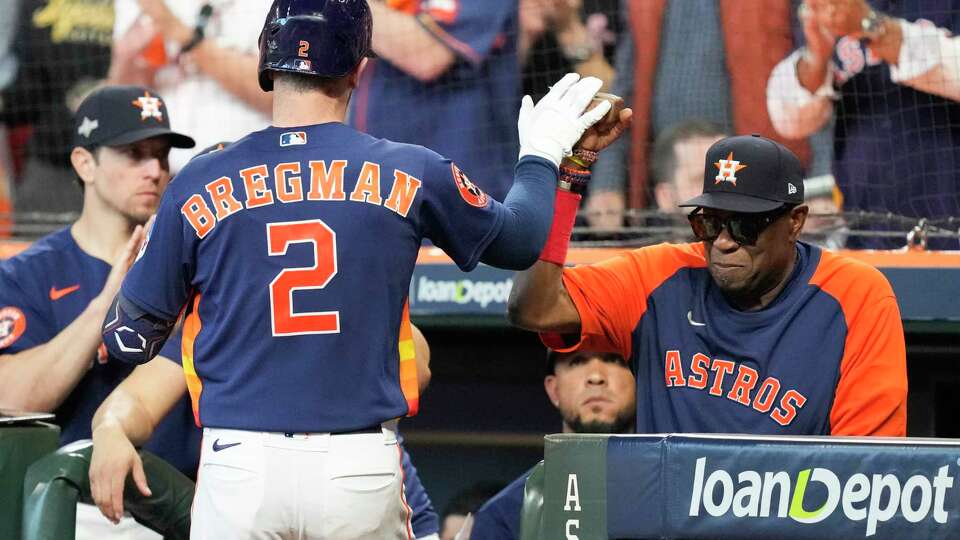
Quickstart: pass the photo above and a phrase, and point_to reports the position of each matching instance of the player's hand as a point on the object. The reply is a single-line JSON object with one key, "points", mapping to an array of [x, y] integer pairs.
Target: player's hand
{"points": [[114, 457], [122, 264], [466, 529], [603, 133], [550, 128]]}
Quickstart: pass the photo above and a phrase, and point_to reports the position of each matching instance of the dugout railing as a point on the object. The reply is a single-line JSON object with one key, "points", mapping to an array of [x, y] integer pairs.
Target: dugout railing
{"points": [[742, 487]]}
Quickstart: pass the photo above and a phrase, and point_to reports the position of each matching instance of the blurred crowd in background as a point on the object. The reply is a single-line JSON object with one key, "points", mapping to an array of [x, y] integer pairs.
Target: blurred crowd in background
{"points": [[864, 92]]}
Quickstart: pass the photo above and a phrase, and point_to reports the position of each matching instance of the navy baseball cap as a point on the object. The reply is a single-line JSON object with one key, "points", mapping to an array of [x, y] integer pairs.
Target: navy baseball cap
{"points": [[116, 115], [749, 174]]}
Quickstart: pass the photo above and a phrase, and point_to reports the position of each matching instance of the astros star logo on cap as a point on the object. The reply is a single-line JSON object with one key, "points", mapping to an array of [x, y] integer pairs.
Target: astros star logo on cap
{"points": [[87, 126], [149, 107], [728, 169]]}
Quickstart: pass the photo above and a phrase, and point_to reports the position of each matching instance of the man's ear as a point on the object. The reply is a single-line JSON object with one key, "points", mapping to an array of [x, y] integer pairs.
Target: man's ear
{"points": [[84, 163], [354, 76], [798, 216], [550, 385]]}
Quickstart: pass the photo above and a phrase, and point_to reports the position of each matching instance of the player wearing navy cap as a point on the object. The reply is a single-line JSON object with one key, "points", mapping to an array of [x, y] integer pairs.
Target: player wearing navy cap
{"points": [[54, 295], [291, 252], [747, 331]]}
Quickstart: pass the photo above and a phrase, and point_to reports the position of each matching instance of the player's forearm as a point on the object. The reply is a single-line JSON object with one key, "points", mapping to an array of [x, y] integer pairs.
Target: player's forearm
{"points": [[40, 378], [142, 400], [401, 40], [527, 212], [132, 334], [540, 302], [124, 413], [236, 73]]}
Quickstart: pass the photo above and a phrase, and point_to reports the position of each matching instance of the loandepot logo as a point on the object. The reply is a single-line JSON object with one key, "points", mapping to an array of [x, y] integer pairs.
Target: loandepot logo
{"points": [[463, 291], [876, 498]]}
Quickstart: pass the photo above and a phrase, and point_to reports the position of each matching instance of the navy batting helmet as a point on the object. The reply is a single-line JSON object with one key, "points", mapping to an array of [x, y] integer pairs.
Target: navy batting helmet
{"points": [[327, 38]]}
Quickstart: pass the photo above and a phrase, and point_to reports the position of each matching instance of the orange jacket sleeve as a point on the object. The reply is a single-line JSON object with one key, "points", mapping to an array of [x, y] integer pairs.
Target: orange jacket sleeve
{"points": [[871, 394], [611, 296], [871, 397]]}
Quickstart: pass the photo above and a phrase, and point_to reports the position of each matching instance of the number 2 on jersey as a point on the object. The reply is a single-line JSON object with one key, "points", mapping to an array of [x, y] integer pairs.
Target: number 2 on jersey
{"points": [[283, 321]]}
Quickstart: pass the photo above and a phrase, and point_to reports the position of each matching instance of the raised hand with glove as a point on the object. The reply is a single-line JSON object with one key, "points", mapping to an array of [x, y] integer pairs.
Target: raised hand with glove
{"points": [[553, 126], [548, 132]]}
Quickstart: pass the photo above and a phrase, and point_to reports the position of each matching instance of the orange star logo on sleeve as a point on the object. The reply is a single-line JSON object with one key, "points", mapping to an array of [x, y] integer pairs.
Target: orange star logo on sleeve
{"points": [[728, 169], [12, 325]]}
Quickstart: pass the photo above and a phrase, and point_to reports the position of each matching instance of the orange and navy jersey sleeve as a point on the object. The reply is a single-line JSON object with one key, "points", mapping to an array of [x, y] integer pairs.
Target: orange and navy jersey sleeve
{"points": [[23, 324], [871, 394], [611, 296]]}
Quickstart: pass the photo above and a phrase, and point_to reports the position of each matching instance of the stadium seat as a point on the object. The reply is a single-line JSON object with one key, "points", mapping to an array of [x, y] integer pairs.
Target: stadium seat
{"points": [[55, 483]]}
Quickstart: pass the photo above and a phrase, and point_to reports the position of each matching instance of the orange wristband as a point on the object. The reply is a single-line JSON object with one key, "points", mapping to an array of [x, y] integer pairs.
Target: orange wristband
{"points": [[564, 215]]}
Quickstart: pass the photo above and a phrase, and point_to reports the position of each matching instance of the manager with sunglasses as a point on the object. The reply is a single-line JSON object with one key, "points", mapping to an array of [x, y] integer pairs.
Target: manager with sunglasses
{"points": [[748, 330]]}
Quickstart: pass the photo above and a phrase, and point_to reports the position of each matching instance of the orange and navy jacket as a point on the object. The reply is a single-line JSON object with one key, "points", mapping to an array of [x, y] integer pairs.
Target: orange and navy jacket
{"points": [[827, 357]]}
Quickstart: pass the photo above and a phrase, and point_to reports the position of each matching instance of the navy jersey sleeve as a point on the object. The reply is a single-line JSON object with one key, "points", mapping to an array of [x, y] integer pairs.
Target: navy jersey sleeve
{"points": [[456, 214], [425, 518], [470, 28], [159, 281], [23, 324]]}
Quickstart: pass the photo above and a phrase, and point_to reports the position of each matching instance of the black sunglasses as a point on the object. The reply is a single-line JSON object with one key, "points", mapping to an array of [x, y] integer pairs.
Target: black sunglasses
{"points": [[743, 228]]}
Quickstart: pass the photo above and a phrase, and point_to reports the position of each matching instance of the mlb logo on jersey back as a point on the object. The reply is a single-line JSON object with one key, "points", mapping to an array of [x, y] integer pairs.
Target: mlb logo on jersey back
{"points": [[293, 138]]}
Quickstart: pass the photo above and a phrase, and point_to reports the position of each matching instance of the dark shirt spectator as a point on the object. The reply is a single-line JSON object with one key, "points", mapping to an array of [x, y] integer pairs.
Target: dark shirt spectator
{"points": [[63, 51], [893, 95], [447, 78]]}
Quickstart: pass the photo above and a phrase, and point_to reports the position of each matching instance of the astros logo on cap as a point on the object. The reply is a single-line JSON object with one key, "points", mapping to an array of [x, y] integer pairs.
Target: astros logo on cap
{"points": [[149, 107], [728, 169]]}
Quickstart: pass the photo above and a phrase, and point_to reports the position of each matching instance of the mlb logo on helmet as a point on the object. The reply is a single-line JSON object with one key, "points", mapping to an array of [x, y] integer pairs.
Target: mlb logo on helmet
{"points": [[302, 65], [293, 138]]}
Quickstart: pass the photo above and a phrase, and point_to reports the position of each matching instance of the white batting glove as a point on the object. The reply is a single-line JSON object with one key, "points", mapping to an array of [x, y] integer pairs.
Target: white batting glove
{"points": [[550, 128]]}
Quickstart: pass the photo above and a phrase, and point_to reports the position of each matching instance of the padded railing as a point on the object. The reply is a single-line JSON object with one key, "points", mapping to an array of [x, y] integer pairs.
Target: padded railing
{"points": [[54, 484]]}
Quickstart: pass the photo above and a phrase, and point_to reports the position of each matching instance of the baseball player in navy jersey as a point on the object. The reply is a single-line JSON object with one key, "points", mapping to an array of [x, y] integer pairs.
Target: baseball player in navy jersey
{"points": [[129, 415], [747, 331], [594, 393], [54, 295], [290, 254]]}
